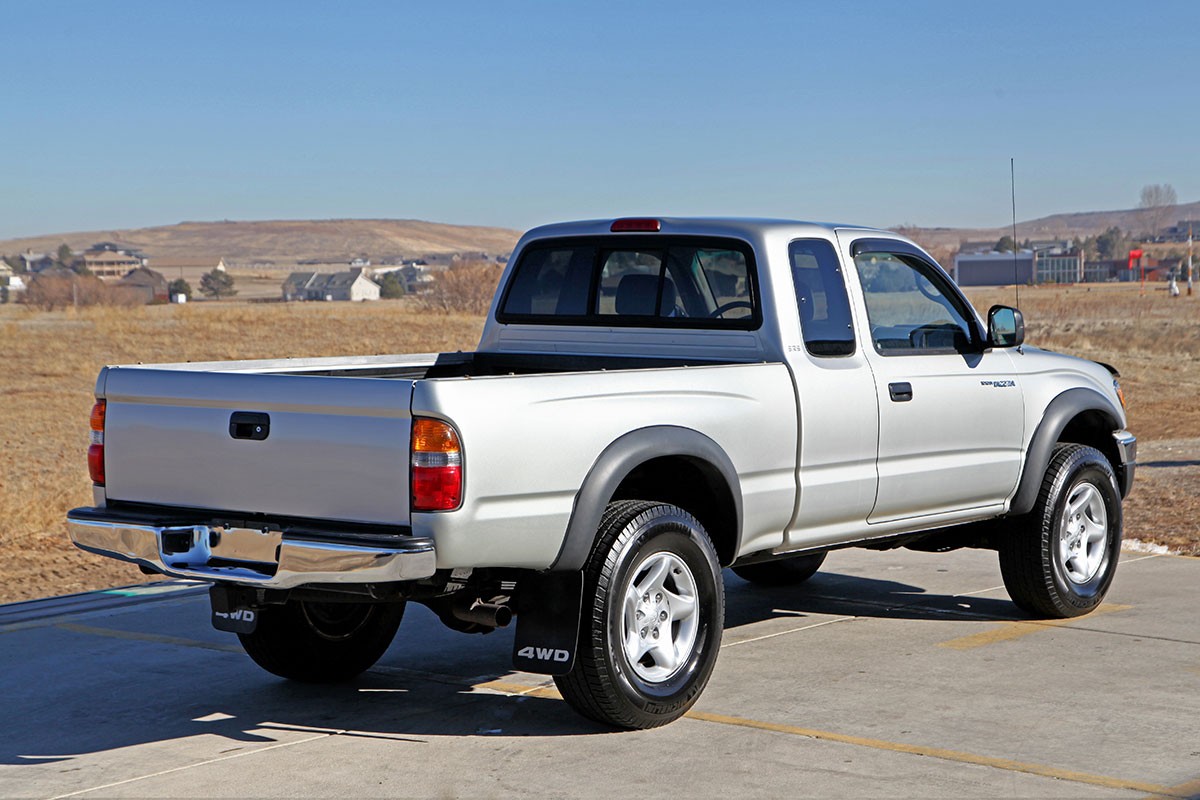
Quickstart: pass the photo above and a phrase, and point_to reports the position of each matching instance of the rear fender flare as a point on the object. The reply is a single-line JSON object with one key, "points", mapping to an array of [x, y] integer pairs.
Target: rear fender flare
{"points": [[621, 458]]}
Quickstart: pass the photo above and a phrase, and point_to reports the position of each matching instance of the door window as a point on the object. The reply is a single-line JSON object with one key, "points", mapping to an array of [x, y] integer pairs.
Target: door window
{"points": [[910, 307]]}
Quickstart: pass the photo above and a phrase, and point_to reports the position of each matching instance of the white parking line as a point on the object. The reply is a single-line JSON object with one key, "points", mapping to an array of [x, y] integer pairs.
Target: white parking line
{"points": [[785, 633]]}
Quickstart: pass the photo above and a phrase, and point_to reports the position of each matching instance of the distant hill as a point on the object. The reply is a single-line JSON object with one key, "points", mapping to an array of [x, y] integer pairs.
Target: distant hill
{"points": [[1058, 226], [287, 241], [336, 240]]}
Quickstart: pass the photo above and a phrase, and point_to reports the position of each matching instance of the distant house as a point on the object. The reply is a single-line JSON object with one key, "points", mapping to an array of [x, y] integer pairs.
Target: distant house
{"points": [[416, 277], [150, 285], [190, 263], [111, 262], [1182, 230], [36, 262], [9, 283], [353, 285], [189, 268]]}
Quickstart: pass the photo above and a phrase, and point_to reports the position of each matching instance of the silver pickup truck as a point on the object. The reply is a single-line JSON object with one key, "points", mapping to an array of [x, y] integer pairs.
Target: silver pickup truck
{"points": [[652, 400]]}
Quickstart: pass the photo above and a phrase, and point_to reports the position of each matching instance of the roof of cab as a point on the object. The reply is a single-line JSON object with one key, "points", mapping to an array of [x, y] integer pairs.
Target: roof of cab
{"points": [[691, 225]]}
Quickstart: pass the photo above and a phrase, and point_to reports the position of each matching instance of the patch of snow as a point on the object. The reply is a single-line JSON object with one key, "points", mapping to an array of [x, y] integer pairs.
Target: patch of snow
{"points": [[1138, 546]]}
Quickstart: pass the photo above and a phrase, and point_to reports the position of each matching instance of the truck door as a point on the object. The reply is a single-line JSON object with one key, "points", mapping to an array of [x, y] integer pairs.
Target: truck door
{"points": [[836, 393], [951, 413]]}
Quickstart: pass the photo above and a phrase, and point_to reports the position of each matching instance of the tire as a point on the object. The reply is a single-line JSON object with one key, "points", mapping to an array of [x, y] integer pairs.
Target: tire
{"points": [[322, 642], [1060, 559], [782, 572], [649, 559]]}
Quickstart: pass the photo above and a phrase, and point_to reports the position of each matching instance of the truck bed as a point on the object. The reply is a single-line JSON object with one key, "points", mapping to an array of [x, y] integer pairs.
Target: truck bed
{"points": [[336, 444]]}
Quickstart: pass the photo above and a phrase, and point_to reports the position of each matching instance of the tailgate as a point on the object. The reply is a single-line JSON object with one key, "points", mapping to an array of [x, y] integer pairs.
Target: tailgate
{"points": [[334, 447]]}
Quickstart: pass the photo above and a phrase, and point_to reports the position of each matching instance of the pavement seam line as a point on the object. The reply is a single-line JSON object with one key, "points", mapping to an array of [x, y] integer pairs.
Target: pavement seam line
{"points": [[275, 746], [1017, 629], [957, 756]]}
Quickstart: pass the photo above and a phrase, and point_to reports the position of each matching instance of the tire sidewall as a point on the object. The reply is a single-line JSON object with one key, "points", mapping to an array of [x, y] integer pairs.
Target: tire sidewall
{"points": [[676, 534], [1086, 469]]}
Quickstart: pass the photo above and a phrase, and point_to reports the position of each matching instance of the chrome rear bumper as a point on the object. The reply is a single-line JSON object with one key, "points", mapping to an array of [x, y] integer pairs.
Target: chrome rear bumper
{"points": [[270, 559]]}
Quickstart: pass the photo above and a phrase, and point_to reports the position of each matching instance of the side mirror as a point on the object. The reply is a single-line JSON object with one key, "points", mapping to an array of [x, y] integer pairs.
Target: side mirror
{"points": [[1006, 327]]}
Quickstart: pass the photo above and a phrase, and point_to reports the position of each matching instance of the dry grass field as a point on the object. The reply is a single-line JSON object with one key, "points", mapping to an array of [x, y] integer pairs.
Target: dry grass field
{"points": [[50, 365], [51, 360]]}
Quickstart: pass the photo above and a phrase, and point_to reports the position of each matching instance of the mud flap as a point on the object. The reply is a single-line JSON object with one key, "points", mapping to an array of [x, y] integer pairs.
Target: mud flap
{"points": [[548, 607], [233, 610]]}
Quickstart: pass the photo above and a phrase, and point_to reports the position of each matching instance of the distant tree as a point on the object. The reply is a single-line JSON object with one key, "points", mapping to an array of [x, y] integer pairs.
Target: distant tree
{"points": [[390, 286], [217, 284], [180, 286], [1087, 246], [1006, 244], [16, 262], [1157, 199], [1113, 243], [65, 257]]}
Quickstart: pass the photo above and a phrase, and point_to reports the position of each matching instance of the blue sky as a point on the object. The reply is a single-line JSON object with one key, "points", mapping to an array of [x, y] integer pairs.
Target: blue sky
{"points": [[125, 114]]}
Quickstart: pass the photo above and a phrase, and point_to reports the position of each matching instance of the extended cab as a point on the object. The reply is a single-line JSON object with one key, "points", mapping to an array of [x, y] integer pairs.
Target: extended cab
{"points": [[652, 400]]}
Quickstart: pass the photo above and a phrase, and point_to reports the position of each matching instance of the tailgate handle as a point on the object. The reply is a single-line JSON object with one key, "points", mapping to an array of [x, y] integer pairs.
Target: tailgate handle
{"points": [[900, 392], [250, 425]]}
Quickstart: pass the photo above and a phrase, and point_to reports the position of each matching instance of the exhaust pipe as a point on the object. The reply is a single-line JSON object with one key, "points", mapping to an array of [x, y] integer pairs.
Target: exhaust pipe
{"points": [[478, 612]]}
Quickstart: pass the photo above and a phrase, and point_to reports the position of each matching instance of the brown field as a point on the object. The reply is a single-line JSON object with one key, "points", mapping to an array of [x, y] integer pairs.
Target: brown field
{"points": [[51, 361]]}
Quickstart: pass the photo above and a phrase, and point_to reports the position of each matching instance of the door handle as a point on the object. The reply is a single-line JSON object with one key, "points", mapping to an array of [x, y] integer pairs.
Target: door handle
{"points": [[900, 392]]}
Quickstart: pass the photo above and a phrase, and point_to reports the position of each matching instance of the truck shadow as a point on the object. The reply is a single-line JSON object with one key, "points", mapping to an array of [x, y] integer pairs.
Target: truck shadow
{"points": [[831, 593], [249, 709], [432, 682]]}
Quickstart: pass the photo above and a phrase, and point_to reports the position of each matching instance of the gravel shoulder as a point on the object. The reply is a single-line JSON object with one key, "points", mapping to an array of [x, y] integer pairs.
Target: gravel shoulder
{"points": [[1164, 507]]}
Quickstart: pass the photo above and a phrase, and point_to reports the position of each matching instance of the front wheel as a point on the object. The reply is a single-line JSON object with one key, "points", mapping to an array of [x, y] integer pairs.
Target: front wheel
{"points": [[1059, 560], [654, 610], [322, 642]]}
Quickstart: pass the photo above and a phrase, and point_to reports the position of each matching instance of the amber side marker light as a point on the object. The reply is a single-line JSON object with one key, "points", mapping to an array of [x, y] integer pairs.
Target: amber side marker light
{"points": [[436, 466], [95, 453]]}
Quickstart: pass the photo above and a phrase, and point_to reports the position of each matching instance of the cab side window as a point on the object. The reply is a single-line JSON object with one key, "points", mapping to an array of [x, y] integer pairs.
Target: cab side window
{"points": [[821, 298], [909, 307]]}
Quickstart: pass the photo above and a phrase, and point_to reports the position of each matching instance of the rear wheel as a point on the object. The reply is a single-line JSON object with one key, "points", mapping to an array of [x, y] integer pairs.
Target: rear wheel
{"points": [[654, 609], [322, 642], [1060, 559], [783, 572]]}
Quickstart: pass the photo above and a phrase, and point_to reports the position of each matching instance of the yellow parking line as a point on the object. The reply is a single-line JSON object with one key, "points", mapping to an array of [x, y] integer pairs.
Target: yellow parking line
{"points": [[112, 633], [1015, 630], [1189, 790], [879, 744]]}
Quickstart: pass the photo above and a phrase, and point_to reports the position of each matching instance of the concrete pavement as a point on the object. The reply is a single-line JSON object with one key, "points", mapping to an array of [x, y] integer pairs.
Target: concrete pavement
{"points": [[894, 674]]}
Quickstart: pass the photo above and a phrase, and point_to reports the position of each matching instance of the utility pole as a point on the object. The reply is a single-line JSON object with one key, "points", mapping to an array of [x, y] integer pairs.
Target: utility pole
{"points": [[1189, 259]]}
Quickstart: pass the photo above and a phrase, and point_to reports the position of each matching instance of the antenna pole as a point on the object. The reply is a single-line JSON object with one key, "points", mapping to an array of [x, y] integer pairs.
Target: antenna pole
{"points": [[1012, 182]]}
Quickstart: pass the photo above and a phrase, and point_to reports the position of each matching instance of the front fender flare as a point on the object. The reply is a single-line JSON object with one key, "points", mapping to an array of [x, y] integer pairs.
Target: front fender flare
{"points": [[1058, 414]]}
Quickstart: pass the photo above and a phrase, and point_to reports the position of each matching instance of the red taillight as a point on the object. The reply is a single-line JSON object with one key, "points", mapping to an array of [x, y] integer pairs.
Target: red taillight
{"points": [[95, 454], [636, 225], [436, 466]]}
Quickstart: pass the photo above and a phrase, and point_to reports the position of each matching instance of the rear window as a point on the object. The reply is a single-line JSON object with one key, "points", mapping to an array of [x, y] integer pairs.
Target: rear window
{"points": [[669, 282]]}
